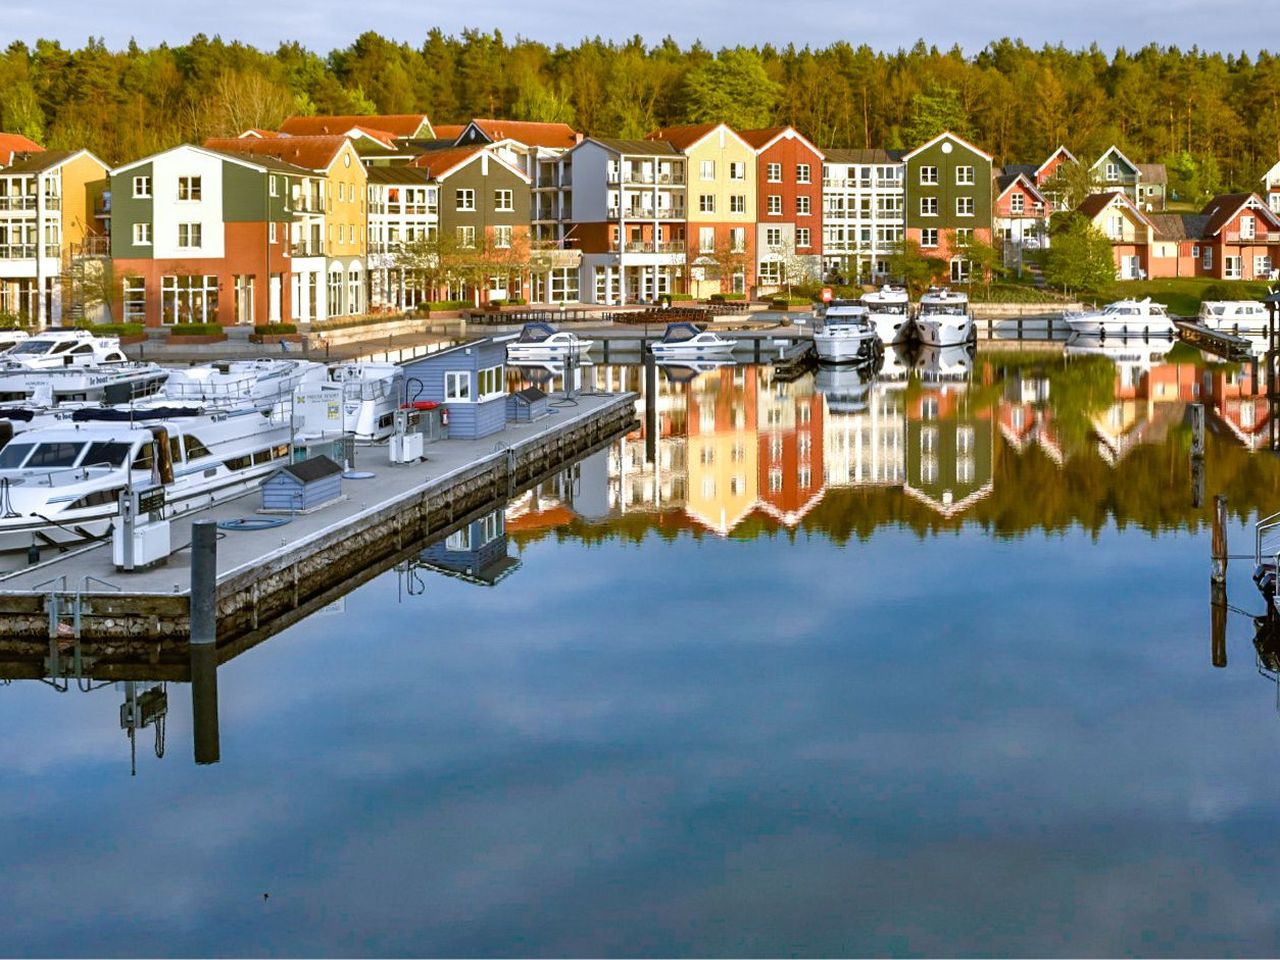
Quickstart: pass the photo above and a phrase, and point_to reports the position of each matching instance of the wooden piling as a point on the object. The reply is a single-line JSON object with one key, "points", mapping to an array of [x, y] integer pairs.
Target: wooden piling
{"points": [[1218, 624], [1219, 567]]}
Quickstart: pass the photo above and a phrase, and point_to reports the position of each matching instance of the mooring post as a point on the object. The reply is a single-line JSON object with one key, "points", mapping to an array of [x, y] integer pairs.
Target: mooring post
{"points": [[203, 643], [1218, 572], [650, 407], [1197, 429], [1218, 624]]}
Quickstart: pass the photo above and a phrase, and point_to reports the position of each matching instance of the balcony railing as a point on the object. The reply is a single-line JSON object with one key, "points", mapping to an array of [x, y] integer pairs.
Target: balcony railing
{"points": [[305, 204], [1263, 237], [648, 246], [17, 251], [17, 203], [306, 250], [94, 246]]}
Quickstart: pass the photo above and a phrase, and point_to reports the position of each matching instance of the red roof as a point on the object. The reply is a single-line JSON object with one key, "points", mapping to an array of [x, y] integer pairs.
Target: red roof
{"points": [[449, 131], [1222, 209], [440, 162], [682, 138], [312, 153], [259, 133], [762, 138], [11, 143], [529, 133], [396, 124]]}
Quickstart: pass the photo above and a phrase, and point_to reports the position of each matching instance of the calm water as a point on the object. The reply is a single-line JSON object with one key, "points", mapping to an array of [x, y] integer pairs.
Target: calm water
{"points": [[920, 667]]}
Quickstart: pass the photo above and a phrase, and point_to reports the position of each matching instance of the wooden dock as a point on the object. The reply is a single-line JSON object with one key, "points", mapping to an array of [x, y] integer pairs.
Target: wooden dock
{"points": [[1225, 345], [75, 615]]}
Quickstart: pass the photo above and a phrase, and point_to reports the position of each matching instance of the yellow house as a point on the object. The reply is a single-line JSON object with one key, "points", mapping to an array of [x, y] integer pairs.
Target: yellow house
{"points": [[51, 213], [330, 230], [721, 205], [1131, 233], [723, 449]]}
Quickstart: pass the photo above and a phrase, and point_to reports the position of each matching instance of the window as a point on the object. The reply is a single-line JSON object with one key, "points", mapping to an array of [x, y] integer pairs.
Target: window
{"points": [[1233, 267], [770, 274], [334, 287], [707, 202], [774, 204], [738, 203], [706, 169], [929, 237], [1207, 262], [802, 238], [271, 232], [737, 170], [928, 206], [1247, 228], [464, 199], [928, 175], [1017, 204], [773, 236], [802, 206], [490, 383], [275, 186], [135, 300], [706, 239], [773, 172], [502, 237], [466, 237], [457, 385], [243, 298], [504, 200], [142, 234], [189, 236], [141, 188], [1195, 251], [802, 173], [960, 269], [964, 176], [1112, 172], [738, 239], [1262, 267], [964, 235], [964, 206], [188, 299], [189, 188]]}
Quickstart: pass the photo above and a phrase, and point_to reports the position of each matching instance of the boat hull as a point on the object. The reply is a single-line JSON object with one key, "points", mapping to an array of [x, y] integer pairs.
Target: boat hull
{"points": [[944, 331], [1094, 326], [680, 351], [844, 347]]}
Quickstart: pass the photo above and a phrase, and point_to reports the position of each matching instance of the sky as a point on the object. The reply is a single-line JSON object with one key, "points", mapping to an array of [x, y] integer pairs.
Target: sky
{"points": [[329, 24]]}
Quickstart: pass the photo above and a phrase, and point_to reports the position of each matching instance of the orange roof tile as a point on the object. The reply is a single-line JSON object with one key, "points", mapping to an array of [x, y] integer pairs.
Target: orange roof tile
{"points": [[396, 124], [313, 153], [760, 138], [682, 138], [259, 133], [449, 131], [11, 143], [440, 162], [528, 132]]}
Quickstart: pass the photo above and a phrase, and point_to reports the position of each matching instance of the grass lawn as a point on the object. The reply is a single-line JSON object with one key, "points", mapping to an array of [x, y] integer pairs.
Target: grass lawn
{"points": [[1182, 296]]}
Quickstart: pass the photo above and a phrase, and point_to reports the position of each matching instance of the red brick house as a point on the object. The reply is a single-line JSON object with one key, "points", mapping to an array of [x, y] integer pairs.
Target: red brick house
{"points": [[1241, 238], [788, 203]]}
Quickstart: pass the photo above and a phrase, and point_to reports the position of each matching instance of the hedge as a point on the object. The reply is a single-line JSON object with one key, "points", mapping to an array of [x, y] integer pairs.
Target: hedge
{"points": [[448, 304], [115, 329], [723, 297], [274, 329], [509, 302], [679, 297], [781, 303], [196, 330]]}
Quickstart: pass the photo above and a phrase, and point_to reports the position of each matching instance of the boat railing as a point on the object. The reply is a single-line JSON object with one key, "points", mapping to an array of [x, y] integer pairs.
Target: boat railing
{"points": [[1266, 539]]}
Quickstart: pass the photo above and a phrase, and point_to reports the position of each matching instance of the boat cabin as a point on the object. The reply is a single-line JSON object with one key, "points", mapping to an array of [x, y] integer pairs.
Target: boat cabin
{"points": [[469, 380]]}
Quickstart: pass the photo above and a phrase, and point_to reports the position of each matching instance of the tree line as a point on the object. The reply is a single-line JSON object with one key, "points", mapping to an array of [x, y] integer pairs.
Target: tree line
{"points": [[1214, 119]]}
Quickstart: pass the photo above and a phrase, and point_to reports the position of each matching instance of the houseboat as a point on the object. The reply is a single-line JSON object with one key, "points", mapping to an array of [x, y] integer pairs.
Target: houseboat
{"points": [[1244, 318], [944, 319]]}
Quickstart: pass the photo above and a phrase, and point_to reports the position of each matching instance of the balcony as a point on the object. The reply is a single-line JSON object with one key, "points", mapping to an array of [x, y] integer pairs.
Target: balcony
{"points": [[17, 251], [94, 246], [306, 204], [17, 203], [315, 249], [1258, 237]]}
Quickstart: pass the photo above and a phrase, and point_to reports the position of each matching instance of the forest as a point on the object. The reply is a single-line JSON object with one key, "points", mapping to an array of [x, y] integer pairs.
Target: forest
{"points": [[1214, 119]]}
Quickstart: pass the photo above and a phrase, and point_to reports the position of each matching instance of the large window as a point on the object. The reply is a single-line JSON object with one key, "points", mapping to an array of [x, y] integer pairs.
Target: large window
{"points": [[489, 381], [964, 176], [244, 298], [135, 300], [1017, 204], [189, 188], [706, 239], [189, 299], [334, 306], [189, 236], [457, 385], [353, 290]]}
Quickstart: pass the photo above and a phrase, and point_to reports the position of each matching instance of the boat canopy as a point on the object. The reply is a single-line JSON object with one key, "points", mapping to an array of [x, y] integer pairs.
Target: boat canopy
{"points": [[535, 332], [680, 332], [124, 415]]}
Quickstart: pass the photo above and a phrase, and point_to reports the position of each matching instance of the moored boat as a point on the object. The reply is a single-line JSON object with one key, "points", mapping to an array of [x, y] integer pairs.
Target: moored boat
{"points": [[944, 319], [846, 334], [59, 347], [889, 310], [541, 341], [689, 341], [1124, 318], [1245, 318]]}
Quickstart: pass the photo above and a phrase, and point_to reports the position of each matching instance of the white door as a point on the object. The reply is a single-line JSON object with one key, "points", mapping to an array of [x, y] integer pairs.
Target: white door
{"points": [[274, 307]]}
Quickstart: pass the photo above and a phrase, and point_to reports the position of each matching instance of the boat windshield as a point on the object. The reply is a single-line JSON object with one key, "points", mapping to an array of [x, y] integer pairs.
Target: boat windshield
{"points": [[109, 453], [31, 347], [54, 455], [535, 332], [13, 454], [679, 332]]}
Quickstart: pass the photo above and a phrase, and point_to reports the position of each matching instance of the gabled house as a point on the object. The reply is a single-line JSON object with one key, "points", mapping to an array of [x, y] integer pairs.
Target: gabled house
{"points": [[404, 126], [948, 199], [789, 206], [1175, 247], [201, 236], [52, 212], [329, 234], [1021, 216], [484, 206], [722, 206], [863, 206], [1130, 231], [1049, 175], [628, 218], [1114, 171], [1153, 186], [1241, 240]]}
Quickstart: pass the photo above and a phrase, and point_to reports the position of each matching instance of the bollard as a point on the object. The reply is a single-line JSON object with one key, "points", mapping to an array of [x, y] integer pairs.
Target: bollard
{"points": [[1218, 573], [1218, 624], [1197, 429], [203, 646]]}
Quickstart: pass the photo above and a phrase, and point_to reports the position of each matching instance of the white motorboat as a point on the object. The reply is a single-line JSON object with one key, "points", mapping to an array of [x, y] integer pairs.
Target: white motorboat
{"points": [[541, 341], [847, 389], [944, 319], [1138, 354], [57, 347], [1244, 318], [688, 341], [1124, 318], [228, 384], [846, 334], [938, 364], [367, 395], [110, 383], [889, 310], [11, 338], [61, 484]]}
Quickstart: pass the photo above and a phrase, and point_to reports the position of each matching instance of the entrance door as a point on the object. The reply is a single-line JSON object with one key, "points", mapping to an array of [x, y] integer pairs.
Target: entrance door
{"points": [[274, 306]]}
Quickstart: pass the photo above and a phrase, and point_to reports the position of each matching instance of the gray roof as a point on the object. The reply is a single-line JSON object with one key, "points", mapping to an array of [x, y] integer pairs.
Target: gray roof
{"points": [[36, 162], [1011, 170], [1178, 226], [1153, 173], [653, 148], [530, 394], [876, 155], [314, 468]]}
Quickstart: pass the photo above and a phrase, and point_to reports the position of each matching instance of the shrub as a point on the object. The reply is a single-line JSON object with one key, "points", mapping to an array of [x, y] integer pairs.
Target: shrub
{"points": [[679, 297], [367, 320], [114, 329], [1217, 291], [274, 329], [723, 297], [781, 303], [448, 304], [195, 330]]}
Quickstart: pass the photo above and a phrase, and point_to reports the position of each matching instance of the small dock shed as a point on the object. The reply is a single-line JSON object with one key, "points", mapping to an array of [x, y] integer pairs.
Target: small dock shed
{"points": [[526, 405], [469, 380], [302, 486]]}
